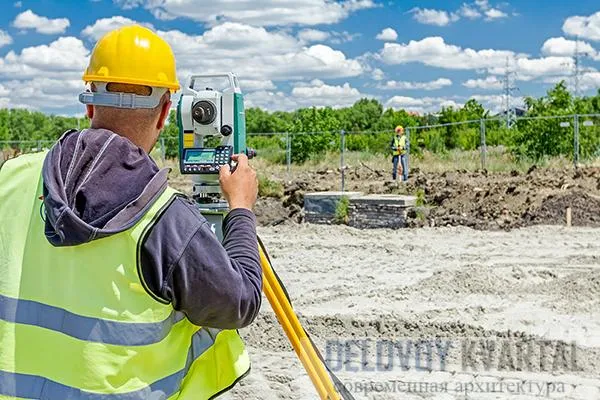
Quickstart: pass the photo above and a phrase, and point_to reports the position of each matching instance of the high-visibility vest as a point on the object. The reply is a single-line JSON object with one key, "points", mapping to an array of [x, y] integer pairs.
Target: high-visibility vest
{"points": [[77, 323], [399, 143]]}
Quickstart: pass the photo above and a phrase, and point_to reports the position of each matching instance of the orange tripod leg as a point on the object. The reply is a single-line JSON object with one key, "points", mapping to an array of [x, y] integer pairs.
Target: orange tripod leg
{"points": [[295, 333]]}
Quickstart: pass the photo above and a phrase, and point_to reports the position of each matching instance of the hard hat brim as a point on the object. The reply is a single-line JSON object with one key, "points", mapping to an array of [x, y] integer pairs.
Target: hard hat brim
{"points": [[173, 87]]}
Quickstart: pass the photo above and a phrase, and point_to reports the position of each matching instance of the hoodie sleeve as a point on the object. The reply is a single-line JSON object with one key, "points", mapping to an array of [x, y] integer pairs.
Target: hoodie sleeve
{"points": [[183, 263]]}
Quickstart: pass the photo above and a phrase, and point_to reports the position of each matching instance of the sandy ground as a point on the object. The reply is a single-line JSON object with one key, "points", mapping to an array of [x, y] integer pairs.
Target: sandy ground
{"points": [[517, 313]]}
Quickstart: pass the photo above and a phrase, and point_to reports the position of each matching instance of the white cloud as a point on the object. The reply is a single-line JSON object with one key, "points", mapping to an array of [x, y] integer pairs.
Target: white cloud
{"points": [[476, 10], [496, 102], [319, 89], [559, 46], [269, 100], [469, 12], [435, 52], [18, 4], [43, 93], [584, 27], [313, 35], [434, 17], [403, 85], [388, 34], [29, 20], [258, 54], [4, 91], [588, 80], [129, 4], [482, 4], [343, 37], [489, 83], [262, 13], [249, 85], [421, 105], [527, 69], [65, 57], [313, 94], [5, 38], [377, 74], [105, 25], [494, 13]]}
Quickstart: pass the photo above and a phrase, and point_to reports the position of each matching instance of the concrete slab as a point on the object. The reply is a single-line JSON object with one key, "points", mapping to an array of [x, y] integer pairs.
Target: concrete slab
{"points": [[325, 203], [320, 195], [391, 199]]}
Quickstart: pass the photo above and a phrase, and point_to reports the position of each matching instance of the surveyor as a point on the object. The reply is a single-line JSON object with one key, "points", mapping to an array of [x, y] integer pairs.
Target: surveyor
{"points": [[113, 285], [398, 147]]}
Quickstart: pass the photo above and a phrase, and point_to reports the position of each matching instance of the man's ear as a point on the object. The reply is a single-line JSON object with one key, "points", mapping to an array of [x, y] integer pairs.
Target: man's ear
{"points": [[164, 114], [89, 111]]}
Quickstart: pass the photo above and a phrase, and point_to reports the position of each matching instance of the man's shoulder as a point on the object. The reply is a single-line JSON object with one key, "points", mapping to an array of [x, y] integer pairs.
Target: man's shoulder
{"points": [[181, 217]]}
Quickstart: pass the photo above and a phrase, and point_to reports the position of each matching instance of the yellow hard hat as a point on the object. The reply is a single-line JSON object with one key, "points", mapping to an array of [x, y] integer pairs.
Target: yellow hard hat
{"points": [[135, 55], [399, 128]]}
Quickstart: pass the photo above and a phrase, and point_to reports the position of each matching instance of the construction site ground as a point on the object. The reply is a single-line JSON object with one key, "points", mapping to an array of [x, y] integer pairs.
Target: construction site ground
{"points": [[532, 285], [487, 258]]}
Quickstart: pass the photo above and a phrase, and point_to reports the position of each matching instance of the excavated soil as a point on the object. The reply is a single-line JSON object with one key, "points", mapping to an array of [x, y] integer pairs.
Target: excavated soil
{"points": [[481, 200]]}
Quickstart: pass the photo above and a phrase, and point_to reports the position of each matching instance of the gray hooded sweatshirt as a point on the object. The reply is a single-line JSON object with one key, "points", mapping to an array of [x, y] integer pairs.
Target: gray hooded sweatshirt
{"points": [[97, 183]]}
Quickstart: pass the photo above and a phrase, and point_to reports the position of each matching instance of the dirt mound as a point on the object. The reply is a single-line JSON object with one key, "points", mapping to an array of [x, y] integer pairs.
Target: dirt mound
{"points": [[585, 209], [575, 292], [469, 280], [477, 199]]}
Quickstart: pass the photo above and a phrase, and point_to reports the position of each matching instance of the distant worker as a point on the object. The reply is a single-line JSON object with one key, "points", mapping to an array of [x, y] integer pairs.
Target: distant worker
{"points": [[398, 147], [113, 284]]}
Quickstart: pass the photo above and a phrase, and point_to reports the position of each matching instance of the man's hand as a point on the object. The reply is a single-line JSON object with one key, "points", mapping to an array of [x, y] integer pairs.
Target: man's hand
{"points": [[239, 187]]}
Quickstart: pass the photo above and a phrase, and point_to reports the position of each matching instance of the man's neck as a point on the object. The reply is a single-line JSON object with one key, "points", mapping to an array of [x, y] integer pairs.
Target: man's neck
{"points": [[132, 135]]}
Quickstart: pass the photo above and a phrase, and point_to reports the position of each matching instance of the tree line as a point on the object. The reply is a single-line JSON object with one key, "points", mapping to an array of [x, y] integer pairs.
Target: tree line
{"points": [[532, 138]]}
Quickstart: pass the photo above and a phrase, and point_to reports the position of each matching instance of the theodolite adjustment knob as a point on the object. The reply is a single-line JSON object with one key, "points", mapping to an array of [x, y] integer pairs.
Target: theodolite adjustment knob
{"points": [[226, 130]]}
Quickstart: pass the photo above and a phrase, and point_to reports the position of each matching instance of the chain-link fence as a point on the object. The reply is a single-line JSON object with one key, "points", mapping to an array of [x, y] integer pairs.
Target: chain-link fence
{"points": [[588, 143], [490, 144]]}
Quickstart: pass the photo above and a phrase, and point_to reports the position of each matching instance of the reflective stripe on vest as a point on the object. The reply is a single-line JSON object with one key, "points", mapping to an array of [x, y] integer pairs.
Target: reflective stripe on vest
{"points": [[77, 323]]}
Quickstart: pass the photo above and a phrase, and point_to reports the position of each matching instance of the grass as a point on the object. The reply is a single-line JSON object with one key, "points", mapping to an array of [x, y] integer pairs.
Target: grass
{"points": [[420, 214], [420, 197], [342, 210], [497, 160], [269, 188]]}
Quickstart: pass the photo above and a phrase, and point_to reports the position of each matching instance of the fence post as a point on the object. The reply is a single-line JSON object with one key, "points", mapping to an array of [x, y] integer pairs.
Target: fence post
{"points": [[483, 143], [407, 150], [343, 146], [288, 153], [576, 141]]}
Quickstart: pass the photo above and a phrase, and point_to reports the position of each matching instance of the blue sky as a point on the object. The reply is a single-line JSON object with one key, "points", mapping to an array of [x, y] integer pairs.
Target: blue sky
{"points": [[417, 55]]}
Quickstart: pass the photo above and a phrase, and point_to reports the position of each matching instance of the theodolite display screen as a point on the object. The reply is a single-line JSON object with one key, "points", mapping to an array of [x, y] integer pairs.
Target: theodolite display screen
{"points": [[199, 156], [205, 160]]}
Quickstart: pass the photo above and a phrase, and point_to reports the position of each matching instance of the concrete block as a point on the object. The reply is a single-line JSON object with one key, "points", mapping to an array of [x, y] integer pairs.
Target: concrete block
{"points": [[325, 203], [386, 199]]}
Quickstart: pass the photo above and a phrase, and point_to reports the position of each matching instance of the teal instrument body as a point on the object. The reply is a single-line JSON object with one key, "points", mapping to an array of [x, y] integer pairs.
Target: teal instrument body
{"points": [[212, 127]]}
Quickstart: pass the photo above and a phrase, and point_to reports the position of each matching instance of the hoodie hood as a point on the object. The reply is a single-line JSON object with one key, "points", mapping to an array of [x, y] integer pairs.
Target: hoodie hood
{"points": [[96, 184]]}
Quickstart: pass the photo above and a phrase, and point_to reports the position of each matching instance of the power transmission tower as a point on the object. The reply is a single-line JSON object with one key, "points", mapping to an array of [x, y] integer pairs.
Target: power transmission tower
{"points": [[509, 88], [577, 67]]}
